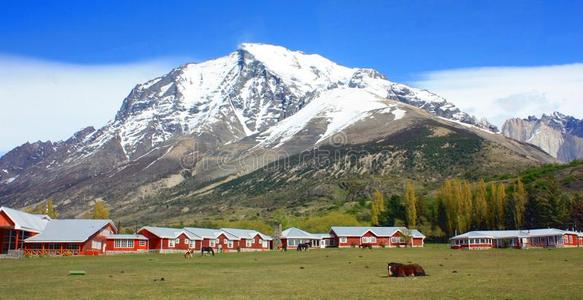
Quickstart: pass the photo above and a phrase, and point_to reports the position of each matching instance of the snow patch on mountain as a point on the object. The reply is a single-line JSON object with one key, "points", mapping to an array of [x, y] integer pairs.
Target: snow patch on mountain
{"points": [[339, 107]]}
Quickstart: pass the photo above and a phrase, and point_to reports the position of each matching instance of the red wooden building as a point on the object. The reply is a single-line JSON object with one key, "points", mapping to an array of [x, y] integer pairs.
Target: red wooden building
{"points": [[520, 239], [376, 237], [219, 240], [170, 240], [71, 237], [126, 243], [250, 240], [292, 237], [15, 227]]}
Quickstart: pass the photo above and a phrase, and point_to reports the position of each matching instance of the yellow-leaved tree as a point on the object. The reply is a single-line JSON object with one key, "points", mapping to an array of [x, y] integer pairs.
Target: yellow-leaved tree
{"points": [[100, 211]]}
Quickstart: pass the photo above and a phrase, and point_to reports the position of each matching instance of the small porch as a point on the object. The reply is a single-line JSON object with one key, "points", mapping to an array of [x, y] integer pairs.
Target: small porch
{"points": [[12, 241]]}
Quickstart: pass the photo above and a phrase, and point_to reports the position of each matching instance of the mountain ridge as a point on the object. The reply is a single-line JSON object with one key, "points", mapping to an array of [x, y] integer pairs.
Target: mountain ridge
{"points": [[257, 101], [558, 134]]}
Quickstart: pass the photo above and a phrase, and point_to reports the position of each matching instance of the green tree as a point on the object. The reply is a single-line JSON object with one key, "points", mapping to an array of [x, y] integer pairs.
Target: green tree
{"points": [[100, 211], [50, 209], [480, 206], [519, 198], [377, 207], [500, 200], [411, 204]]}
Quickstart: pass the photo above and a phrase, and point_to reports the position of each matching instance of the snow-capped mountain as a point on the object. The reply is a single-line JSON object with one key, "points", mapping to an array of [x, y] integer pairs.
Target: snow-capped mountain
{"points": [[559, 135], [246, 92], [257, 99]]}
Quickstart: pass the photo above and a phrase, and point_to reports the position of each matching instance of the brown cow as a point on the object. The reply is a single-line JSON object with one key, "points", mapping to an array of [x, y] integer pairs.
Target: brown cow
{"points": [[401, 270]]}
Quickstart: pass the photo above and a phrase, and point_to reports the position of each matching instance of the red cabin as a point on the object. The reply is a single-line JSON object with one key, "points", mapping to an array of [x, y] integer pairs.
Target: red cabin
{"points": [[250, 240], [170, 240], [376, 237], [71, 237], [15, 227], [126, 243]]}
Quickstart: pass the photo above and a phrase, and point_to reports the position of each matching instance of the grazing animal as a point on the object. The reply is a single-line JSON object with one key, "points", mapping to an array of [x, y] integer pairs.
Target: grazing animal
{"points": [[405, 270], [209, 250], [303, 247], [188, 254]]}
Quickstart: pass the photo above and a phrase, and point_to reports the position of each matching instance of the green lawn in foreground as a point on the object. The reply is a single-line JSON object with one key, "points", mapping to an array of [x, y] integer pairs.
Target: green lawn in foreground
{"points": [[319, 273]]}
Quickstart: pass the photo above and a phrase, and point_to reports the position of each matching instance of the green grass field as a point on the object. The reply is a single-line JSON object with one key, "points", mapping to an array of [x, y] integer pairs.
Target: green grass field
{"points": [[320, 273]]}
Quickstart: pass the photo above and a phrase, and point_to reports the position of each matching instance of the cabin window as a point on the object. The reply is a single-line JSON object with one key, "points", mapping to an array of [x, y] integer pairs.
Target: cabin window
{"points": [[396, 240], [171, 243], [192, 243], [369, 239], [343, 240], [95, 245], [292, 242], [248, 243], [264, 244], [142, 243], [123, 244], [229, 244], [178, 241], [212, 243]]}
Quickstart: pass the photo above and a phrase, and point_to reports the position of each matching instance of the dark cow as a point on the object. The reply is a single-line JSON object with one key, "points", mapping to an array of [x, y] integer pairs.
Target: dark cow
{"points": [[204, 250], [402, 270], [303, 247]]}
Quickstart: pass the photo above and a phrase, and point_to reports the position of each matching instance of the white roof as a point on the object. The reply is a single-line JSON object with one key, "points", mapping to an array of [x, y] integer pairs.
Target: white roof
{"points": [[507, 234], [246, 233], [69, 230], [296, 233], [209, 233], [322, 235], [126, 237], [170, 233], [26, 221], [344, 231]]}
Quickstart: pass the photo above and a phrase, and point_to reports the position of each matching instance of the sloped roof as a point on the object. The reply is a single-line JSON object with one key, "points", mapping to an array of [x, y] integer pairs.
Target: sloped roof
{"points": [[208, 233], [322, 235], [69, 230], [126, 237], [296, 233], [345, 231], [170, 233], [26, 221], [246, 233], [502, 234]]}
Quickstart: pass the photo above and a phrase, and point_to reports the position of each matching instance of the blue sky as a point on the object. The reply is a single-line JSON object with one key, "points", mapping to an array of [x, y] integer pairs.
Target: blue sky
{"points": [[424, 43], [400, 38]]}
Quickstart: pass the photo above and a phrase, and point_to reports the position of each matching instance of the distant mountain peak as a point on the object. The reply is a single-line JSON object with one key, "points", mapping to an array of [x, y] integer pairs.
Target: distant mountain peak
{"points": [[558, 134]]}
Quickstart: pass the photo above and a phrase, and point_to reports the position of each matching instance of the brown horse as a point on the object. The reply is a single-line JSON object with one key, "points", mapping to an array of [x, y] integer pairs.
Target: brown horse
{"points": [[402, 270]]}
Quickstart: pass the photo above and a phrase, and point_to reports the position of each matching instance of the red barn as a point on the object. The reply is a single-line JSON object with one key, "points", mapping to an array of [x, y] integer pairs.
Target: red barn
{"points": [[15, 227], [126, 243], [376, 237], [71, 237], [170, 240]]}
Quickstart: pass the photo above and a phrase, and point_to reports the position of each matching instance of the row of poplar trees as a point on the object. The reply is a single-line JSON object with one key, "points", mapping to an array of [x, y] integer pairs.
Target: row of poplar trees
{"points": [[464, 206]]}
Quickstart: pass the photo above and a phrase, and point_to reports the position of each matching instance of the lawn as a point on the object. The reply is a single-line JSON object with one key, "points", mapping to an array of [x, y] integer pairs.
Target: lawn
{"points": [[320, 273]]}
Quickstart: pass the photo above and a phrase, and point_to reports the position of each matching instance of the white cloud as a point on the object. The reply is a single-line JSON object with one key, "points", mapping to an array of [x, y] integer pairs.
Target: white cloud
{"points": [[42, 100], [499, 93]]}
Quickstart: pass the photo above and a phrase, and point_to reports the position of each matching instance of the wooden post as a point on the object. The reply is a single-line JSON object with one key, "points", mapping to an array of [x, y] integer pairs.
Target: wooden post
{"points": [[16, 241]]}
